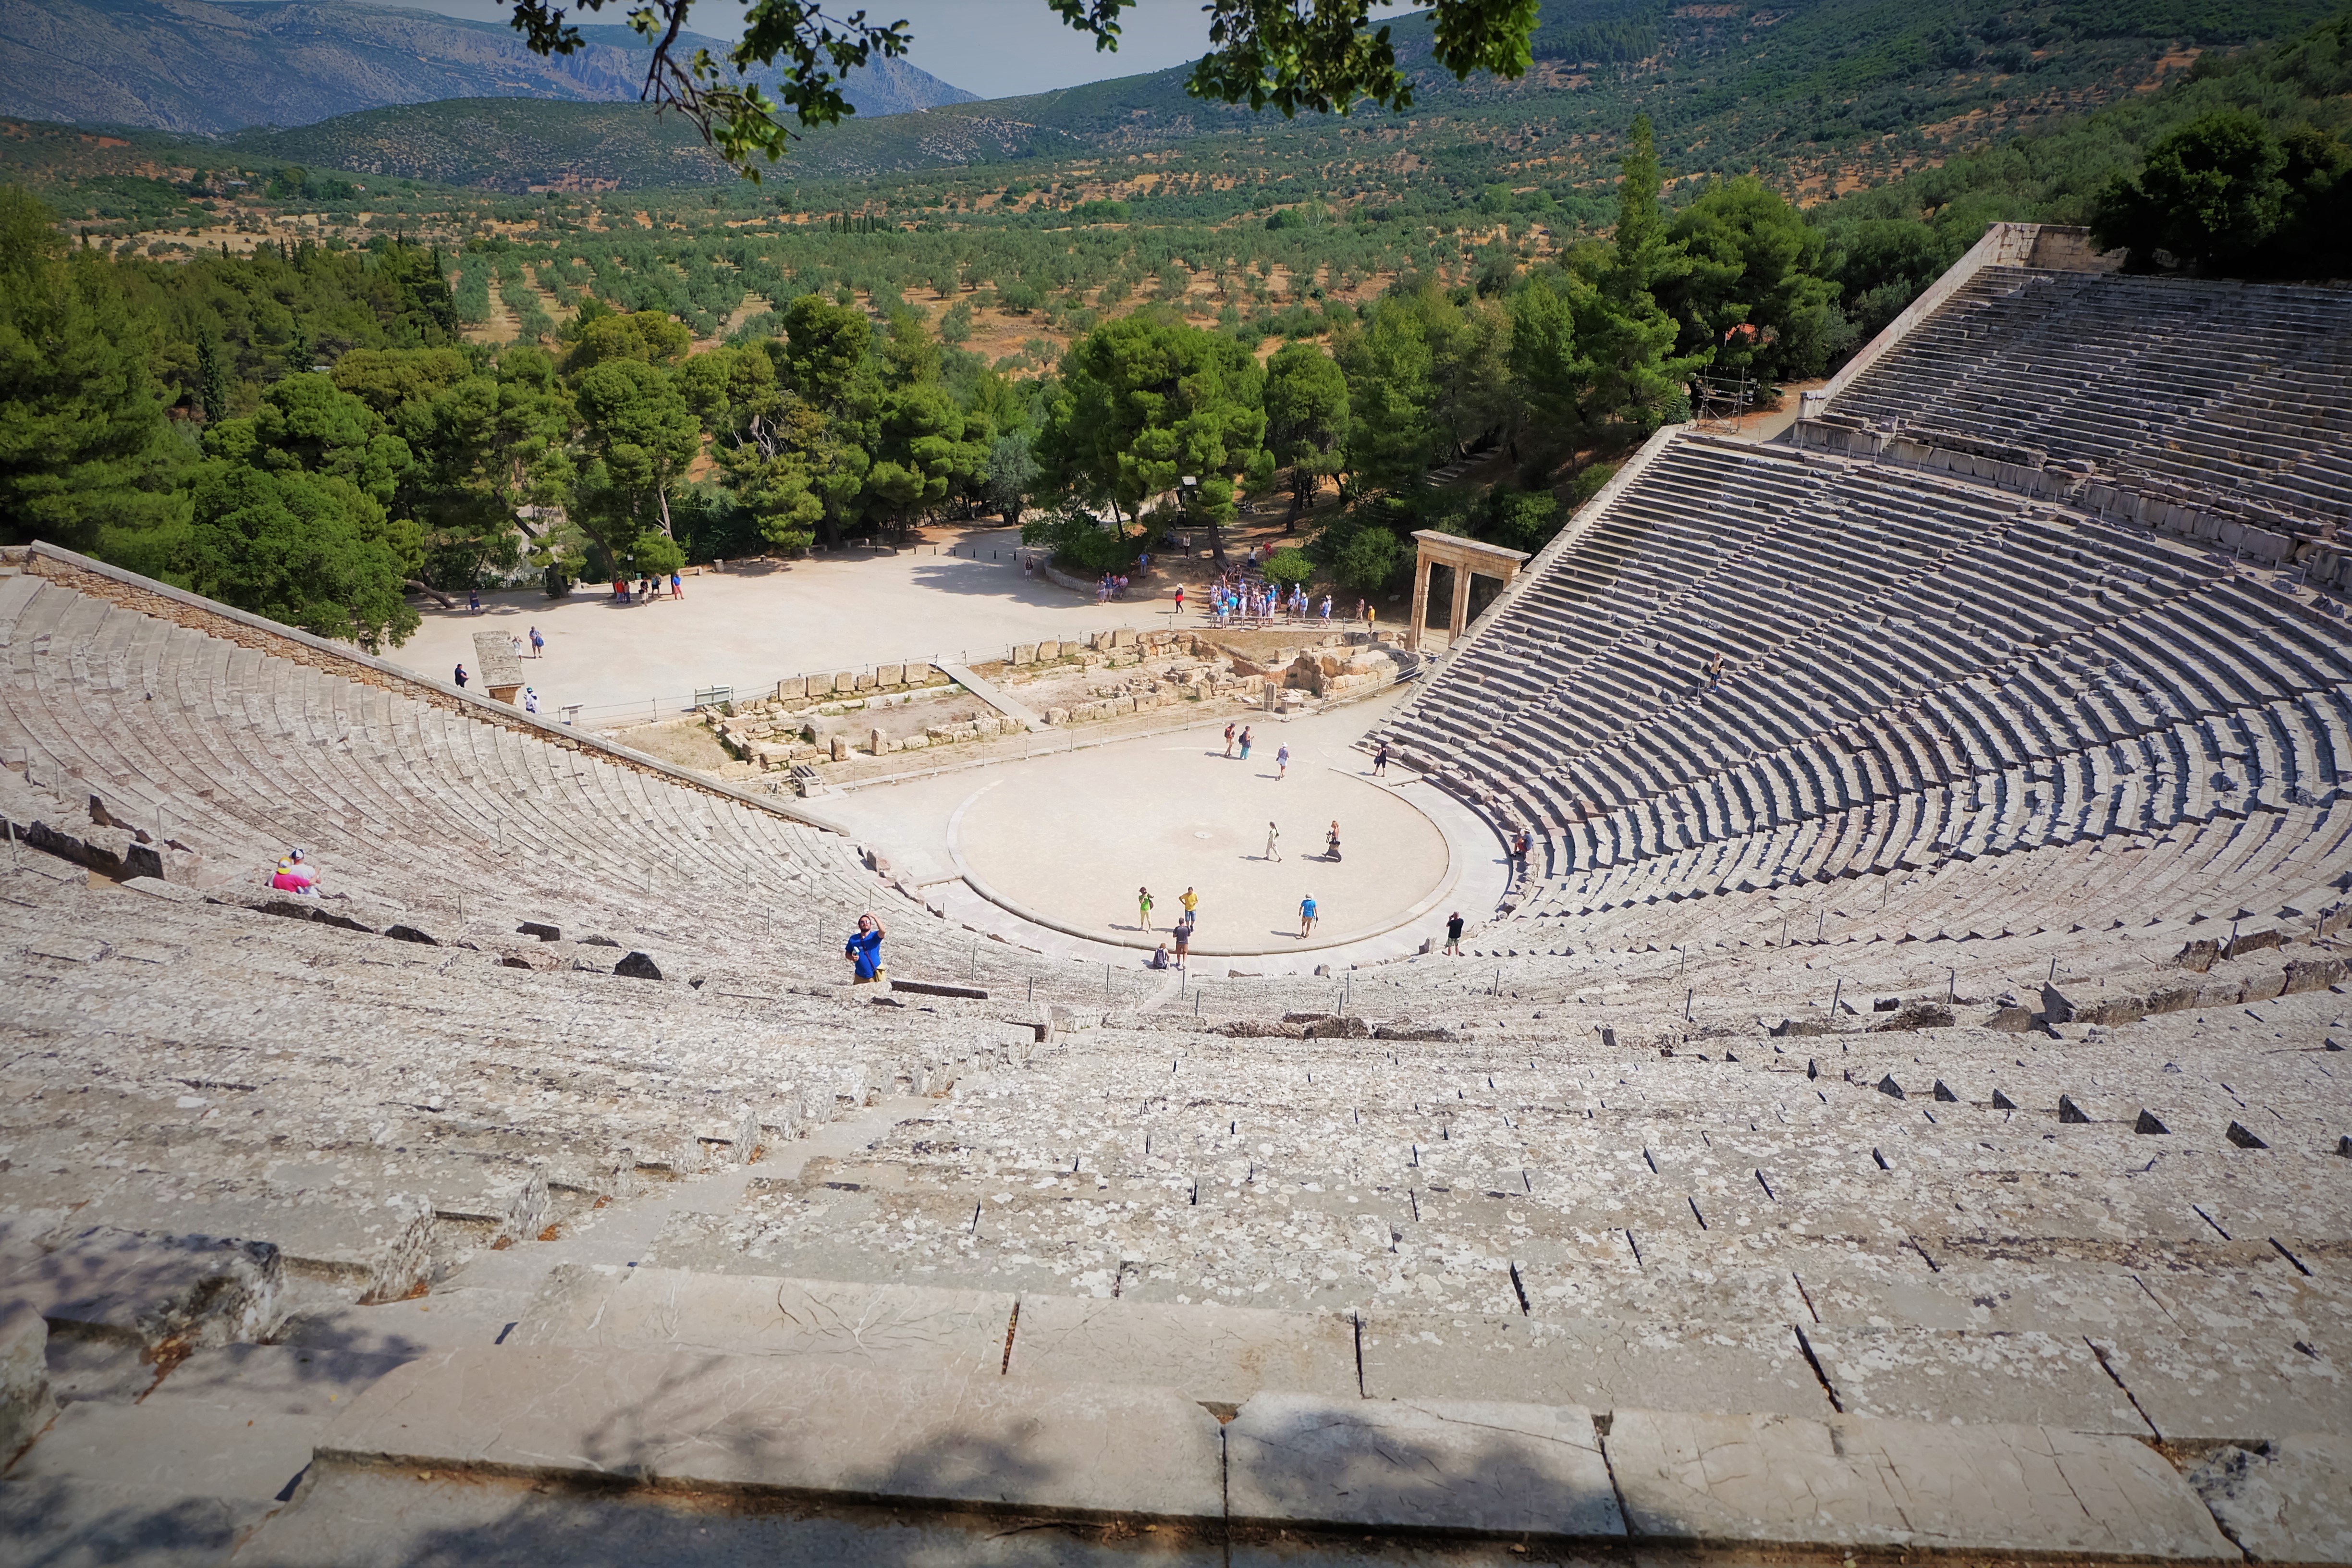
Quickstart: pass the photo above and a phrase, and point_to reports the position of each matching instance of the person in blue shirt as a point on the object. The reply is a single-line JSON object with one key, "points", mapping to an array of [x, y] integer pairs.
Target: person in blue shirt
{"points": [[1306, 917], [865, 951]]}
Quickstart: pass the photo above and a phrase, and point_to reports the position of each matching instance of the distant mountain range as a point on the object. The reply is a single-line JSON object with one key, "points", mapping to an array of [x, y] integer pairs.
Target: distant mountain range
{"points": [[189, 67]]}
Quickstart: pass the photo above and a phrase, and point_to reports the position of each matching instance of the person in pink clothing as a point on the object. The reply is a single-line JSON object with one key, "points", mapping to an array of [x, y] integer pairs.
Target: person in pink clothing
{"points": [[292, 875]]}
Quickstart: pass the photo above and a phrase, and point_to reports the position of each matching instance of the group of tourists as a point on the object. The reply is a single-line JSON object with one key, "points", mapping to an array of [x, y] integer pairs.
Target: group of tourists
{"points": [[1237, 602], [646, 590]]}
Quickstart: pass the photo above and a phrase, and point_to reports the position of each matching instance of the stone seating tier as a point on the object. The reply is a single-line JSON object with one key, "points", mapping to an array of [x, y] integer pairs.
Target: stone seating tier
{"points": [[2226, 388]]}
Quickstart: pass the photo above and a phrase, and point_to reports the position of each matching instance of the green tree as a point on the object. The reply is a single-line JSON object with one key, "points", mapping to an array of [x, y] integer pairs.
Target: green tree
{"points": [[1012, 472], [1305, 418], [1753, 289], [1369, 559], [641, 435], [1148, 400], [85, 451], [1552, 379], [310, 550], [1393, 436], [826, 348], [211, 382], [1288, 567], [2223, 197], [1638, 380]]}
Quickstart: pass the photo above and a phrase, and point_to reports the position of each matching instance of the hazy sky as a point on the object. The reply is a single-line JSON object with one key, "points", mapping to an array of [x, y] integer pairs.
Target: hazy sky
{"points": [[994, 47]]}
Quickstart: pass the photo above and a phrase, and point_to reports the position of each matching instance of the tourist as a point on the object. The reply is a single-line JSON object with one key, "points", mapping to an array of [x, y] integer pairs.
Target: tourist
{"points": [[530, 700], [538, 644], [864, 951], [1282, 763], [1158, 960], [676, 586], [1229, 738], [1306, 917], [1246, 743], [1143, 908], [292, 875], [1331, 842], [1184, 941], [1453, 933], [461, 675], [1273, 842], [1380, 761]]}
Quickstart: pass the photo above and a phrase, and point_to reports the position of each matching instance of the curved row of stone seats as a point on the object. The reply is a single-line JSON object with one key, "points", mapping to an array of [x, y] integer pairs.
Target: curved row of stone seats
{"points": [[2012, 683], [1955, 1250], [2227, 388], [375, 1109], [1626, 715], [239, 753]]}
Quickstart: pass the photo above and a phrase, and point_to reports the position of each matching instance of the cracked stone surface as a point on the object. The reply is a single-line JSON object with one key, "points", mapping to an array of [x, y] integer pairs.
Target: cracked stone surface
{"points": [[2290, 1501], [1857, 1482]]}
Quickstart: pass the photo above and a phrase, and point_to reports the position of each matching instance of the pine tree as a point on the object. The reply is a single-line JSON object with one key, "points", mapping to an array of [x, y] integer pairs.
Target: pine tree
{"points": [[212, 384]]}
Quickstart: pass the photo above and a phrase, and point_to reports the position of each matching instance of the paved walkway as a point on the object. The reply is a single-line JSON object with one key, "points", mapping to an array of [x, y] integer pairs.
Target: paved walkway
{"points": [[747, 627]]}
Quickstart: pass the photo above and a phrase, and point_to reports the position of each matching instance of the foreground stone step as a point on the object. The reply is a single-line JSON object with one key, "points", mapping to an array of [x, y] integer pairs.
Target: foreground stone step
{"points": [[1856, 1482], [791, 1426]]}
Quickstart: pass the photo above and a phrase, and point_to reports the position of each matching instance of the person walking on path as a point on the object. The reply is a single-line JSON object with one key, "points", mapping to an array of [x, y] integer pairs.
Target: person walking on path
{"points": [[1273, 842], [1183, 938], [864, 951], [1143, 907], [1331, 841], [538, 644], [1306, 917], [1229, 740], [461, 675], [1246, 743], [1282, 763], [1453, 933], [1380, 761]]}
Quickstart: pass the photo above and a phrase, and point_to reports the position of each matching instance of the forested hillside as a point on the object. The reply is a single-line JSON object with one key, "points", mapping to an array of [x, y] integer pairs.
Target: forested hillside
{"points": [[1816, 96], [301, 390], [193, 67]]}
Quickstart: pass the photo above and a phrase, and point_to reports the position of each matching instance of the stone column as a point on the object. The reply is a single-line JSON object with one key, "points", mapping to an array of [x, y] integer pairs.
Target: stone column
{"points": [[1461, 618], [1420, 600]]}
